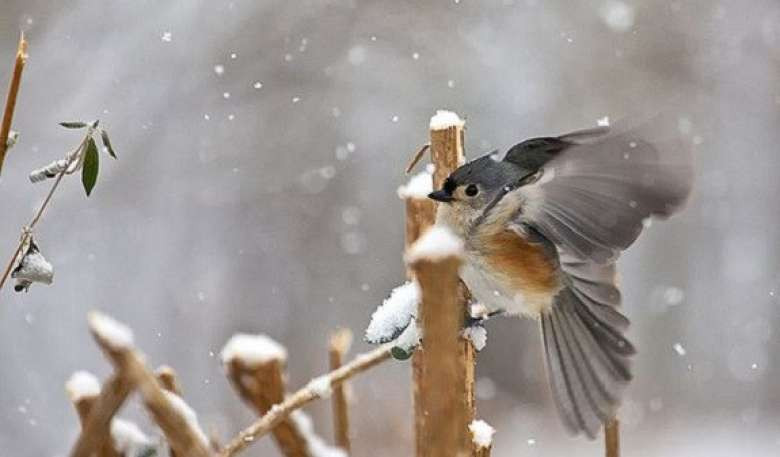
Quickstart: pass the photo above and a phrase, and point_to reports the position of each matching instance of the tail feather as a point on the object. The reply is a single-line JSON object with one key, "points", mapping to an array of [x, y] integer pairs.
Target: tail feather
{"points": [[587, 364]]}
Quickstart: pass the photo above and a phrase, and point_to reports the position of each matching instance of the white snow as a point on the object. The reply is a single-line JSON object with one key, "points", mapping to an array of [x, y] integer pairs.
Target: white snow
{"points": [[410, 337], [477, 335], [419, 186], [321, 386], [481, 433], [128, 438], [252, 350], [188, 414], [317, 447], [116, 334], [82, 384], [679, 349], [603, 122], [436, 243], [394, 313], [445, 119]]}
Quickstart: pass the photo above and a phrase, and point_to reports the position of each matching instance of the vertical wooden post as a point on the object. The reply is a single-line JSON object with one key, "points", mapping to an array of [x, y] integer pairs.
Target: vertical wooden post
{"points": [[443, 387], [612, 438], [446, 133], [340, 342]]}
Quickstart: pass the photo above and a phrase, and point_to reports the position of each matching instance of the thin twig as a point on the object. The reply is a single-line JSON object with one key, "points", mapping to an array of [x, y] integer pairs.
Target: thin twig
{"points": [[612, 438], [168, 379], [416, 158], [302, 397], [38, 214], [10, 101], [338, 346]]}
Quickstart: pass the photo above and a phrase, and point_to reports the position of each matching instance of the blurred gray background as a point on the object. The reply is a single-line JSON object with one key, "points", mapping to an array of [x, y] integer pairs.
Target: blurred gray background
{"points": [[260, 145]]}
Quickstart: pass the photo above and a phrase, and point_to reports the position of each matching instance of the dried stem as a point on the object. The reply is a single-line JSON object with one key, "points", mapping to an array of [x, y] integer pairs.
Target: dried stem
{"points": [[416, 158], [96, 430], [612, 438], [302, 397], [39, 213], [10, 101], [446, 148], [443, 386], [262, 386], [339, 344], [180, 433]]}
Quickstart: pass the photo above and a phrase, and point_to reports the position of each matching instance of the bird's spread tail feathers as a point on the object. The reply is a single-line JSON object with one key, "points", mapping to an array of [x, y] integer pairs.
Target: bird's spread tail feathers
{"points": [[587, 360]]}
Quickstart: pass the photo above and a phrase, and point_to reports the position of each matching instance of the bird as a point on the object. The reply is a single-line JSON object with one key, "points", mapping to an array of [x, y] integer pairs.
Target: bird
{"points": [[543, 226]]}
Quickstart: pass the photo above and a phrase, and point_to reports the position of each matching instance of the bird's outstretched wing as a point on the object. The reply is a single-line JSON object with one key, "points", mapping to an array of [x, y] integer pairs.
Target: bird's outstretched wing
{"points": [[593, 198]]}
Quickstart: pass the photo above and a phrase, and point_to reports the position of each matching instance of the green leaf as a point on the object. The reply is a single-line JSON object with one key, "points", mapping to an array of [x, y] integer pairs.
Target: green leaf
{"points": [[107, 143], [400, 354], [89, 173], [73, 125]]}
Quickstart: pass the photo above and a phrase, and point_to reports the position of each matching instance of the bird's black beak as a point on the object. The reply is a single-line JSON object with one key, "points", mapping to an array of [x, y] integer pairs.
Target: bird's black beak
{"points": [[441, 196]]}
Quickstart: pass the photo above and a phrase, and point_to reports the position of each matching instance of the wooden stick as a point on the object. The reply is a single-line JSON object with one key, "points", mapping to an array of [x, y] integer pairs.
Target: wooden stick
{"points": [[302, 397], [86, 403], [612, 438], [339, 344], [420, 216], [96, 430], [116, 342], [10, 101], [446, 148], [443, 385], [262, 386]]}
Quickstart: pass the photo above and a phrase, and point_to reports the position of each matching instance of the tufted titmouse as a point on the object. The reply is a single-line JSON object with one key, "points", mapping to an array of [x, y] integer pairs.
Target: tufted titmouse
{"points": [[543, 227]]}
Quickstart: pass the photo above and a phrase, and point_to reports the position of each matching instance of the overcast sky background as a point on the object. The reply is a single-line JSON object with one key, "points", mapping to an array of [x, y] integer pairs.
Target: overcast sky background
{"points": [[260, 146]]}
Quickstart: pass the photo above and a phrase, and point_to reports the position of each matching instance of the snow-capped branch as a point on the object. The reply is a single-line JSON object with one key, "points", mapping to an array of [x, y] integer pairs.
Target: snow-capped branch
{"points": [[172, 415], [255, 364], [281, 411], [482, 436]]}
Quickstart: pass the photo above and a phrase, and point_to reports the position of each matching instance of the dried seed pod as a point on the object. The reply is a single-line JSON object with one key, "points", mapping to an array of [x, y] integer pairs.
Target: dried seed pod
{"points": [[32, 267]]}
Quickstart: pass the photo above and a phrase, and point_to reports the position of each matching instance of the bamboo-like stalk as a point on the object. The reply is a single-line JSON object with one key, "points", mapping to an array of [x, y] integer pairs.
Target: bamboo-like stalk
{"points": [[612, 438], [13, 92], [446, 148], [96, 430], [443, 386], [180, 433], [302, 397], [85, 405], [338, 346], [262, 386]]}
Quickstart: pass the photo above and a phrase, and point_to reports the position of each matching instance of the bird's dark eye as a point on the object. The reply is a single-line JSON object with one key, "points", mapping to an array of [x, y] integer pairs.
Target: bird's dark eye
{"points": [[471, 190]]}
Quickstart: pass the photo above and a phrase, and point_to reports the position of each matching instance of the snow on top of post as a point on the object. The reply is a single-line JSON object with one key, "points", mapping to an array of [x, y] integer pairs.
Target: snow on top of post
{"points": [[444, 119], [394, 314], [419, 186], [481, 433], [82, 384], [114, 333], [436, 243], [321, 386], [252, 350], [188, 414], [317, 447]]}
